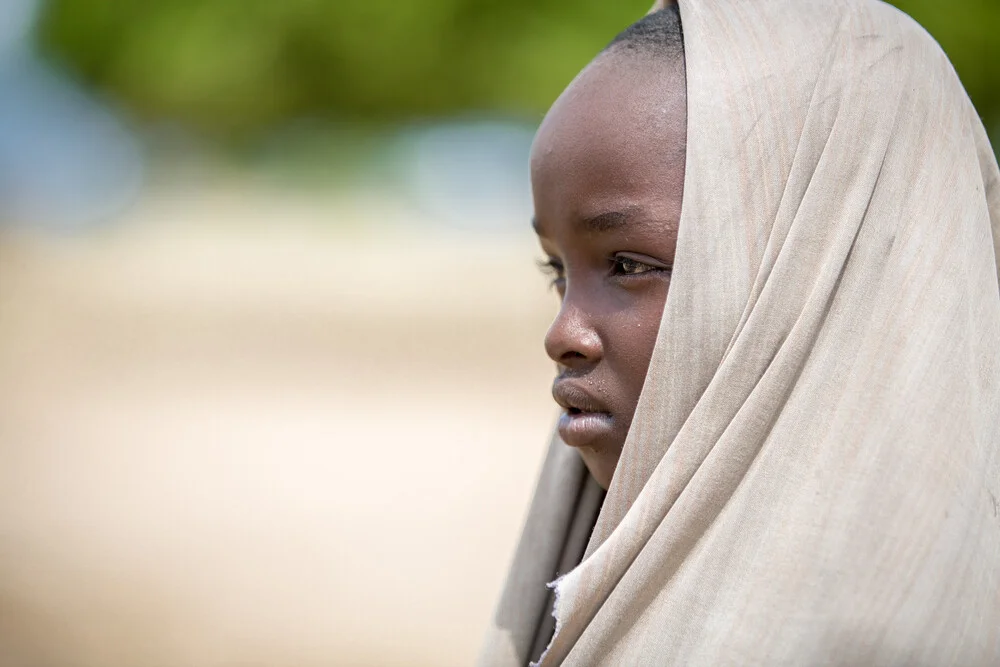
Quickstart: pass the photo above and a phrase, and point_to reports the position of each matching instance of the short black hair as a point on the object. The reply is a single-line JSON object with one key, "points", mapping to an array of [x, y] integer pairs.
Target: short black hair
{"points": [[658, 34]]}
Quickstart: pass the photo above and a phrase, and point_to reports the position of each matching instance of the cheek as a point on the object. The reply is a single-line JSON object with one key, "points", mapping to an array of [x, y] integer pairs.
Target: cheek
{"points": [[635, 334]]}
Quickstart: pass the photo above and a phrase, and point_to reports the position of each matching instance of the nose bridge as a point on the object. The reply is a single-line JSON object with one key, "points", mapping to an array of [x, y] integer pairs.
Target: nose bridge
{"points": [[573, 336]]}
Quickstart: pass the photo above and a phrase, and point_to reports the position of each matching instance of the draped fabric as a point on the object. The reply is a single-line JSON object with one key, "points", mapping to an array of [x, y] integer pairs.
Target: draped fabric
{"points": [[812, 476]]}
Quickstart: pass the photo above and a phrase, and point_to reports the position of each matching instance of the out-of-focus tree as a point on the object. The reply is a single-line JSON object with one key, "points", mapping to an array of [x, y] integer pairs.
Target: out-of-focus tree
{"points": [[235, 67], [969, 32]]}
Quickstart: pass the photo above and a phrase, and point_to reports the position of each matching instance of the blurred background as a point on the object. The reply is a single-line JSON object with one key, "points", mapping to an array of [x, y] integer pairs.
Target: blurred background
{"points": [[272, 389]]}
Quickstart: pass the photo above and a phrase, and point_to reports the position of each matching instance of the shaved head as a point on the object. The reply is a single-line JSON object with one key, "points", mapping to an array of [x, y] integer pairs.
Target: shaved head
{"points": [[658, 34]]}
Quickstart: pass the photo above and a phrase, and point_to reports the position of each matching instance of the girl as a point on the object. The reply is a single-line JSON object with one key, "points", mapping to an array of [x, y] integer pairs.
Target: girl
{"points": [[774, 236]]}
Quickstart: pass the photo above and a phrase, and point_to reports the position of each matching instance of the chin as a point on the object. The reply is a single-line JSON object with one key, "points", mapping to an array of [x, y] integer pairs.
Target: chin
{"points": [[601, 463]]}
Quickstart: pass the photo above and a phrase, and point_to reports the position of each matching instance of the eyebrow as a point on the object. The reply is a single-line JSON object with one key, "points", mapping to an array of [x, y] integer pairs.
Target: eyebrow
{"points": [[602, 222]]}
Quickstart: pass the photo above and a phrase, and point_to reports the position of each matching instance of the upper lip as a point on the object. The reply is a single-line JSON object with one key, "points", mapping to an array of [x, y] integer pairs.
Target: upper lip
{"points": [[573, 397]]}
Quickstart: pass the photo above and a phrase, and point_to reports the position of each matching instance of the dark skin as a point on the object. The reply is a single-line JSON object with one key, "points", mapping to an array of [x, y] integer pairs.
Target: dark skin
{"points": [[607, 173]]}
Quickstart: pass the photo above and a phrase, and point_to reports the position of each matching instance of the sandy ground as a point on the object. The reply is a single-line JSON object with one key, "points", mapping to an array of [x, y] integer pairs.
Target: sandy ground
{"points": [[231, 435]]}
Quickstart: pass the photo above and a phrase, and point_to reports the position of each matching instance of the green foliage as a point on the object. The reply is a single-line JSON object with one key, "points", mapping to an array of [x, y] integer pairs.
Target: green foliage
{"points": [[231, 68], [969, 32]]}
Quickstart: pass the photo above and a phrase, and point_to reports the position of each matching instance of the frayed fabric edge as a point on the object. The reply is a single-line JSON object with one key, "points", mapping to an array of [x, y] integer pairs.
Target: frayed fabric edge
{"points": [[556, 587]]}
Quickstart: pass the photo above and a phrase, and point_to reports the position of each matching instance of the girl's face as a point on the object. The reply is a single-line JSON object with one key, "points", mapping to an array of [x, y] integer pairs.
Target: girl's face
{"points": [[607, 173]]}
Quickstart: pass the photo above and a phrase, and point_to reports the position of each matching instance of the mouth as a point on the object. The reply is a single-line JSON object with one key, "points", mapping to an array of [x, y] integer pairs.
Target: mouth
{"points": [[585, 420]]}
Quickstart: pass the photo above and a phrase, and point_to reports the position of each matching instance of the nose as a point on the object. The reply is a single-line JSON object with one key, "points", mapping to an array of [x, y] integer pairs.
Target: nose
{"points": [[572, 340]]}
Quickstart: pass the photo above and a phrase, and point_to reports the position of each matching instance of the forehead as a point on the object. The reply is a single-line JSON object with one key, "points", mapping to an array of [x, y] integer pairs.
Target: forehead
{"points": [[617, 132]]}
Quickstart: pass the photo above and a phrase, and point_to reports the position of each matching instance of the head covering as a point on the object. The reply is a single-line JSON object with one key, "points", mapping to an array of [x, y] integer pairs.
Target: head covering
{"points": [[812, 475]]}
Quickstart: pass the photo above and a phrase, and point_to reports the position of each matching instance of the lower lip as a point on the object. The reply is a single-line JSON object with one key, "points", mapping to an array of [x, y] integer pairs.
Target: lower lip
{"points": [[583, 428]]}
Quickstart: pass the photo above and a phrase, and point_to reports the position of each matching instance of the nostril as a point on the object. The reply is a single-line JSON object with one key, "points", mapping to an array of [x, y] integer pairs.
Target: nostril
{"points": [[571, 341]]}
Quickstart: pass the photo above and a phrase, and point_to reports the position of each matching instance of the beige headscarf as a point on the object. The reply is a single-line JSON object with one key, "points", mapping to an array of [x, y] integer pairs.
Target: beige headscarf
{"points": [[812, 476]]}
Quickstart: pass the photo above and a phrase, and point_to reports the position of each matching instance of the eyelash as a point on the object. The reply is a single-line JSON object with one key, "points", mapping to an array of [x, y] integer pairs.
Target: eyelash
{"points": [[619, 267], [553, 269]]}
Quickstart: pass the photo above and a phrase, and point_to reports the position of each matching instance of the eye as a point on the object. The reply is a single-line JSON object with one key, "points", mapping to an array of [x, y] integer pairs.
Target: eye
{"points": [[623, 265], [554, 269]]}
